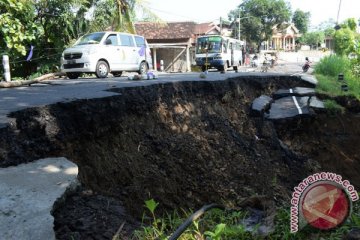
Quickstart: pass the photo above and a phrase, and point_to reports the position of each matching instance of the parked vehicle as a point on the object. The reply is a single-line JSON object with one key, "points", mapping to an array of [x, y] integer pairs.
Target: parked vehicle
{"points": [[106, 52], [218, 52]]}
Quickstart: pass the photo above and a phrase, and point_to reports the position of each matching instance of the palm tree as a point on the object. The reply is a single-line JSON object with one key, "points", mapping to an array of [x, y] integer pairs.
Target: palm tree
{"points": [[119, 14], [123, 15]]}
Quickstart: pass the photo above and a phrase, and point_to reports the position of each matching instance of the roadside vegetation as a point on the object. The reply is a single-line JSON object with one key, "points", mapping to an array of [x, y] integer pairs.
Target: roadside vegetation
{"points": [[327, 72], [219, 224], [346, 61]]}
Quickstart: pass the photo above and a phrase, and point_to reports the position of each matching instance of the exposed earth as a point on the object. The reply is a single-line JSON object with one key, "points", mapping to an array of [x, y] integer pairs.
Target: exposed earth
{"points": [[184, 144]]}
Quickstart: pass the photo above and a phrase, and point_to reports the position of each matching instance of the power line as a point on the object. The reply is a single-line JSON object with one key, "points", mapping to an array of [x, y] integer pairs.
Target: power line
{"points": [[38, 58]]}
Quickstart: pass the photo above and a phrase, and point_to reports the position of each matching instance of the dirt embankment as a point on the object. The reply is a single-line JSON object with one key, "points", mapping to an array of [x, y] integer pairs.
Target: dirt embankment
{"points": [[184, 144]]}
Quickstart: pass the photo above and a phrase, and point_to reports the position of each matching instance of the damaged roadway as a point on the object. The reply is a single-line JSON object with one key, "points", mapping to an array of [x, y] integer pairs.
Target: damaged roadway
{"points": [[146, 141]]}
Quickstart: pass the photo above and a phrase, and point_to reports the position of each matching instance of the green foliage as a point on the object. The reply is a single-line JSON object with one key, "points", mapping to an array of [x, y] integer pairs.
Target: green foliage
{"points": [[17, 28], [301, 20], [259, 17], [328, 85], [333, 65], [329, 32], [102, 15], [333, 106], [219, 230], [350, 23], [124, 15], [344, 41], [51, 26], [313, 38], [226, 225], [327, 71], [151, 205]]}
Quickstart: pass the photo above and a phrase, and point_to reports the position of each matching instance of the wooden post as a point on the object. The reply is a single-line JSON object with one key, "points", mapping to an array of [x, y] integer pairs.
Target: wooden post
{"points": [[188, 63], [155, 59]]}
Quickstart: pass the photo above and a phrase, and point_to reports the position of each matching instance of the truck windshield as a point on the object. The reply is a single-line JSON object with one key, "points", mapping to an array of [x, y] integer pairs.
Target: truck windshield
{"points": [[210, 44], [92, 38]]}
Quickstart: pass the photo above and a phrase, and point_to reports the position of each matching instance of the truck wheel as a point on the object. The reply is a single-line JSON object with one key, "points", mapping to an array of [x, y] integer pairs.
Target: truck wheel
{"points": [[102, 69], [72, 75], [224, 68]]}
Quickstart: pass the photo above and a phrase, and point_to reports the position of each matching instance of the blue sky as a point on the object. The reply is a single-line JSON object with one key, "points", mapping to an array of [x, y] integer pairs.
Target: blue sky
{"points": [[210, 10]]}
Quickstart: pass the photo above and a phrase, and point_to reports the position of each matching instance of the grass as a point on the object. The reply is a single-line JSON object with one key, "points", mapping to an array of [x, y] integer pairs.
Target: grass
{"points": [[226, 225], [333, 65], [334, 107], [327, 71]]}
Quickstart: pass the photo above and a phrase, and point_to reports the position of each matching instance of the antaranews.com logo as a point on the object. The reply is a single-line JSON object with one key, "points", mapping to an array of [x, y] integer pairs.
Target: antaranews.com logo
{"points": [[322, 200]]}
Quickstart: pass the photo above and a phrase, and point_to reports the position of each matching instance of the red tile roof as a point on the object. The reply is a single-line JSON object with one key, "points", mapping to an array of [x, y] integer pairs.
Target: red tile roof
{"points": [[203, 28], [171, 30]]}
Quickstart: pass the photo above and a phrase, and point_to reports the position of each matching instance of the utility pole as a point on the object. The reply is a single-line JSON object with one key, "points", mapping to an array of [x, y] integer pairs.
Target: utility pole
{"points": [[239, 25], [220, 26], [337, 20]]}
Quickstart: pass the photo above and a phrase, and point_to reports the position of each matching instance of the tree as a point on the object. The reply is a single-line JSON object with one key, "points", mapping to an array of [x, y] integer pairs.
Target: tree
{"points": [[17, 27], [119, 14], [301, 20], [313, 38], [350, 23], [258, 17], [330, 23], [345, 37], [47, 27]]}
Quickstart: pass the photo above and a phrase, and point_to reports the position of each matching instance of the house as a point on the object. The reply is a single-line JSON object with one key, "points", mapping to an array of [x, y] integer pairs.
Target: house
{"points": [[169, 42], [329, 42], [174, 42], [283, 38], [207, 28]]}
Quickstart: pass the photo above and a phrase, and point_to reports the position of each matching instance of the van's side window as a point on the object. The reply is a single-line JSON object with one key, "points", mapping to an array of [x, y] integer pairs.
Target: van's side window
{"points": [[140, 41], [113, 38], [127, 40]]}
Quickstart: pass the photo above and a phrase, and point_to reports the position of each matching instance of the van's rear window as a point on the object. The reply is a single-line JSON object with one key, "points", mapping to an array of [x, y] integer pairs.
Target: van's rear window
{"points": [[140, 41]]}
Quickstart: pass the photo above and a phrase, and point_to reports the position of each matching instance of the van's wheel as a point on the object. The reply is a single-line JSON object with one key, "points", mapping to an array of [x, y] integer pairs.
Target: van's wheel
{"points": [[102, 69], [117, 74], [143, 68], [72, 75]]}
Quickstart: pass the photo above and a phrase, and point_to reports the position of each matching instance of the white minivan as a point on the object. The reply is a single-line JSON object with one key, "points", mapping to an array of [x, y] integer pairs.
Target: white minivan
{"points": [[106, 52]]}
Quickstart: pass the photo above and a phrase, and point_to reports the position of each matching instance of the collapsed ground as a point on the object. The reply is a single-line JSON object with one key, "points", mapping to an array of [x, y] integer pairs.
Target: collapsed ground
{"points": [[183, 144]]}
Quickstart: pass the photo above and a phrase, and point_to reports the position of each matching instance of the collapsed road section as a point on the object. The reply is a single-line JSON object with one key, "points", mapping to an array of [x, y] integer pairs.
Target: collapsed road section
{"points": [[183, 144]]}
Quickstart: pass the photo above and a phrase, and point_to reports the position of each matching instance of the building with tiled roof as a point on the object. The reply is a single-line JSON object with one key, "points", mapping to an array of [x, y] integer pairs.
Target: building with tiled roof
{"points": [[283, 38], [165, 31], [174, 42]]}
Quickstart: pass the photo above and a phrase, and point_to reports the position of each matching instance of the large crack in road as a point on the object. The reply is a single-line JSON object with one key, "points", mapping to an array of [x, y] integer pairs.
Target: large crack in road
{"points": [[183, 144]]}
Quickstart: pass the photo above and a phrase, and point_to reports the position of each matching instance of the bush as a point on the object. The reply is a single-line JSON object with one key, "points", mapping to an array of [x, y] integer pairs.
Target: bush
{"points": [[333, 65]]}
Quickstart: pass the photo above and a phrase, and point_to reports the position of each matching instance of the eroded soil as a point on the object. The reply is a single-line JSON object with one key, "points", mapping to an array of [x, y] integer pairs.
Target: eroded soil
{"points": [[183, 144]]}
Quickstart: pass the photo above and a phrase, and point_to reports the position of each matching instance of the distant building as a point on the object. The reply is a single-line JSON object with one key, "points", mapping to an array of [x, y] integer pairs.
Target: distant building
{"points": [[329, 42], [174, 42], [283, 38]]}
